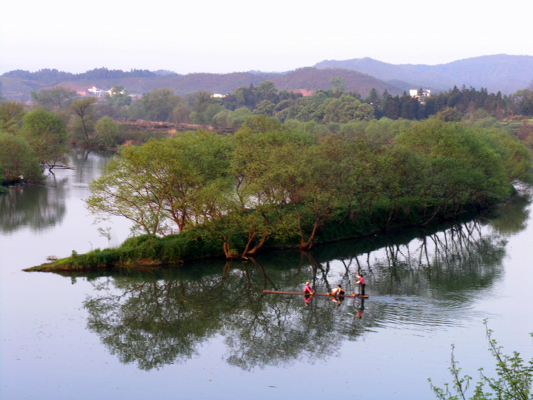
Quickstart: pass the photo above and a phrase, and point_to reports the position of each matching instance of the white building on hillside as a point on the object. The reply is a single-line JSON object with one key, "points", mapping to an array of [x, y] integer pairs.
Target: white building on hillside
{"points": [[420, 94]]}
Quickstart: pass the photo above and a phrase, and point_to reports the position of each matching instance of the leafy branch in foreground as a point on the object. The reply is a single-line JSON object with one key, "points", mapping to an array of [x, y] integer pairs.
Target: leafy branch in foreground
{"points": [[513, 381]]}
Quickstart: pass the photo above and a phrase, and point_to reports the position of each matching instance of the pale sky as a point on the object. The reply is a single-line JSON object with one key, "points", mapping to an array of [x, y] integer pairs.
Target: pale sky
{"points": [[236, 35]]}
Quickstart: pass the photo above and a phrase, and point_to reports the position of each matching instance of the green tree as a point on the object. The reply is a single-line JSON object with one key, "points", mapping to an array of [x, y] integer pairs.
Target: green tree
{"points": [[514, 154], [346, 109], [159, 104], [221, 119], [260, 211], [106, 131], [131, 187], [338, 83], [46, 134], [266, 90], [165, 186], [450, 115], [84, 118], [17, 158], [243, 96], [523, 100], [203, 102], [265, 107], [11, 113], [462, 168], [56, 98], [374, 100], [391, 106], [239, 117], [285, 170], [211, 111], [408, 107], [385, 129]]}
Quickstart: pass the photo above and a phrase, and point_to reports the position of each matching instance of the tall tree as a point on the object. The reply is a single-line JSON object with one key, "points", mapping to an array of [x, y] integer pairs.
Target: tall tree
{"points": [[391, 106], [374, 100], [338, 83], [84, 119]]}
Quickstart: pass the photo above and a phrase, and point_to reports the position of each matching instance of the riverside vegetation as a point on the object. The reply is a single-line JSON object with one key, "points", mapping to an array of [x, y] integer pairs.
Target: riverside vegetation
{"points": [[57, 118], [200, 194], [513, 377]]}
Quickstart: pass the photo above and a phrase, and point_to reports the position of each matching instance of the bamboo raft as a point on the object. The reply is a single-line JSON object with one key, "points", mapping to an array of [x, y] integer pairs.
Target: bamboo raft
{"points": [[358, 296]]}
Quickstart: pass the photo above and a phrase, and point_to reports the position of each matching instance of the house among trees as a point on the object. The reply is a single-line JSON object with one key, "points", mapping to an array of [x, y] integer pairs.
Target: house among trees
{"points": [[97, 92], [420, 94]]}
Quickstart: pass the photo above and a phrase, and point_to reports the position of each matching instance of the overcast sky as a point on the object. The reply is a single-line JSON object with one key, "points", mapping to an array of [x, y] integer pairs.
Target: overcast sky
{"points": [[236, 35]]}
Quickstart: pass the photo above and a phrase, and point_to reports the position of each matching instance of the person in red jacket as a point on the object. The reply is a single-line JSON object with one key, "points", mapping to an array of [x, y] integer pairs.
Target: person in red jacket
{"points": [[307, 289], [361, 281]]}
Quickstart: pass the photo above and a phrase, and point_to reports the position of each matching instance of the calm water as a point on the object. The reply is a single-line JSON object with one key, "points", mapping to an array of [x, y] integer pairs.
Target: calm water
{"points": [[205, 331]]}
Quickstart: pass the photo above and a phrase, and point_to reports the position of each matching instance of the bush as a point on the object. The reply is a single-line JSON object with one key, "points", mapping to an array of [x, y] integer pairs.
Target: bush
{"points": [[513, 380]]}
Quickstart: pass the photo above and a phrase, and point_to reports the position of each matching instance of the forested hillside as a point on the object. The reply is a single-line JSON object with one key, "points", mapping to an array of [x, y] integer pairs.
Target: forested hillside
{"points": [[17, 85]]}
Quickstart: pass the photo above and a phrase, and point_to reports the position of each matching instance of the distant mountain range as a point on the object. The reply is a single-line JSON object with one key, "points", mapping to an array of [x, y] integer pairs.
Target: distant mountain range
{"points": [[496, 73]]}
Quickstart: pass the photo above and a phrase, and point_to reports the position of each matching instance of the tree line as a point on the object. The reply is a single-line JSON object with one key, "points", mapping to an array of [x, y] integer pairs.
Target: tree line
{"points": [[97, 123], [333, 105], [39, 137], [325, 110], [53, 76]]}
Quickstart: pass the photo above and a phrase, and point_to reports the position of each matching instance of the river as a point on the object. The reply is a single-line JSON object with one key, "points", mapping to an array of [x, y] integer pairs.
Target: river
{"points": [[204, 330]]}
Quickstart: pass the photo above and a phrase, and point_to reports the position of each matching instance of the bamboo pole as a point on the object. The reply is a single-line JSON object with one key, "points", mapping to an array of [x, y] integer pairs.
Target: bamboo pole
{"points": [[314, 294]]}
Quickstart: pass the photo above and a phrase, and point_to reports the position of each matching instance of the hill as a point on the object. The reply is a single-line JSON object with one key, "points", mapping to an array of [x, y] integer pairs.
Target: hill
{"points": [[500, 72], [18, 84], [315, 79]]}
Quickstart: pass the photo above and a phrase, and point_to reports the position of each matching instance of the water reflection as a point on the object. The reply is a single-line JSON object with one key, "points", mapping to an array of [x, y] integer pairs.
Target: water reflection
{"points": [[37, 207], [43, 206], [88, 165], [511, 218], [417, 279]]}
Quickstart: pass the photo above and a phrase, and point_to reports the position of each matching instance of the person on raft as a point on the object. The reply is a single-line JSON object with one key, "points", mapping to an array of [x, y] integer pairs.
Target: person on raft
{"points": [[307, 289], [338, 291], [361, 281]]}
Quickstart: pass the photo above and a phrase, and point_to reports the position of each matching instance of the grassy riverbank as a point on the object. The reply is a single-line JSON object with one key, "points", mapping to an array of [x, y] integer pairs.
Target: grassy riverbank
{"points": [[151, 251]]}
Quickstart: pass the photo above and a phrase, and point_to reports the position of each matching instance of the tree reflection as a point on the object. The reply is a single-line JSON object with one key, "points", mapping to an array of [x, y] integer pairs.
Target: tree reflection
{"points": [[40, 206], [419, 278], [157, 322], [35, 206], [449, 263], [511, 218]]}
